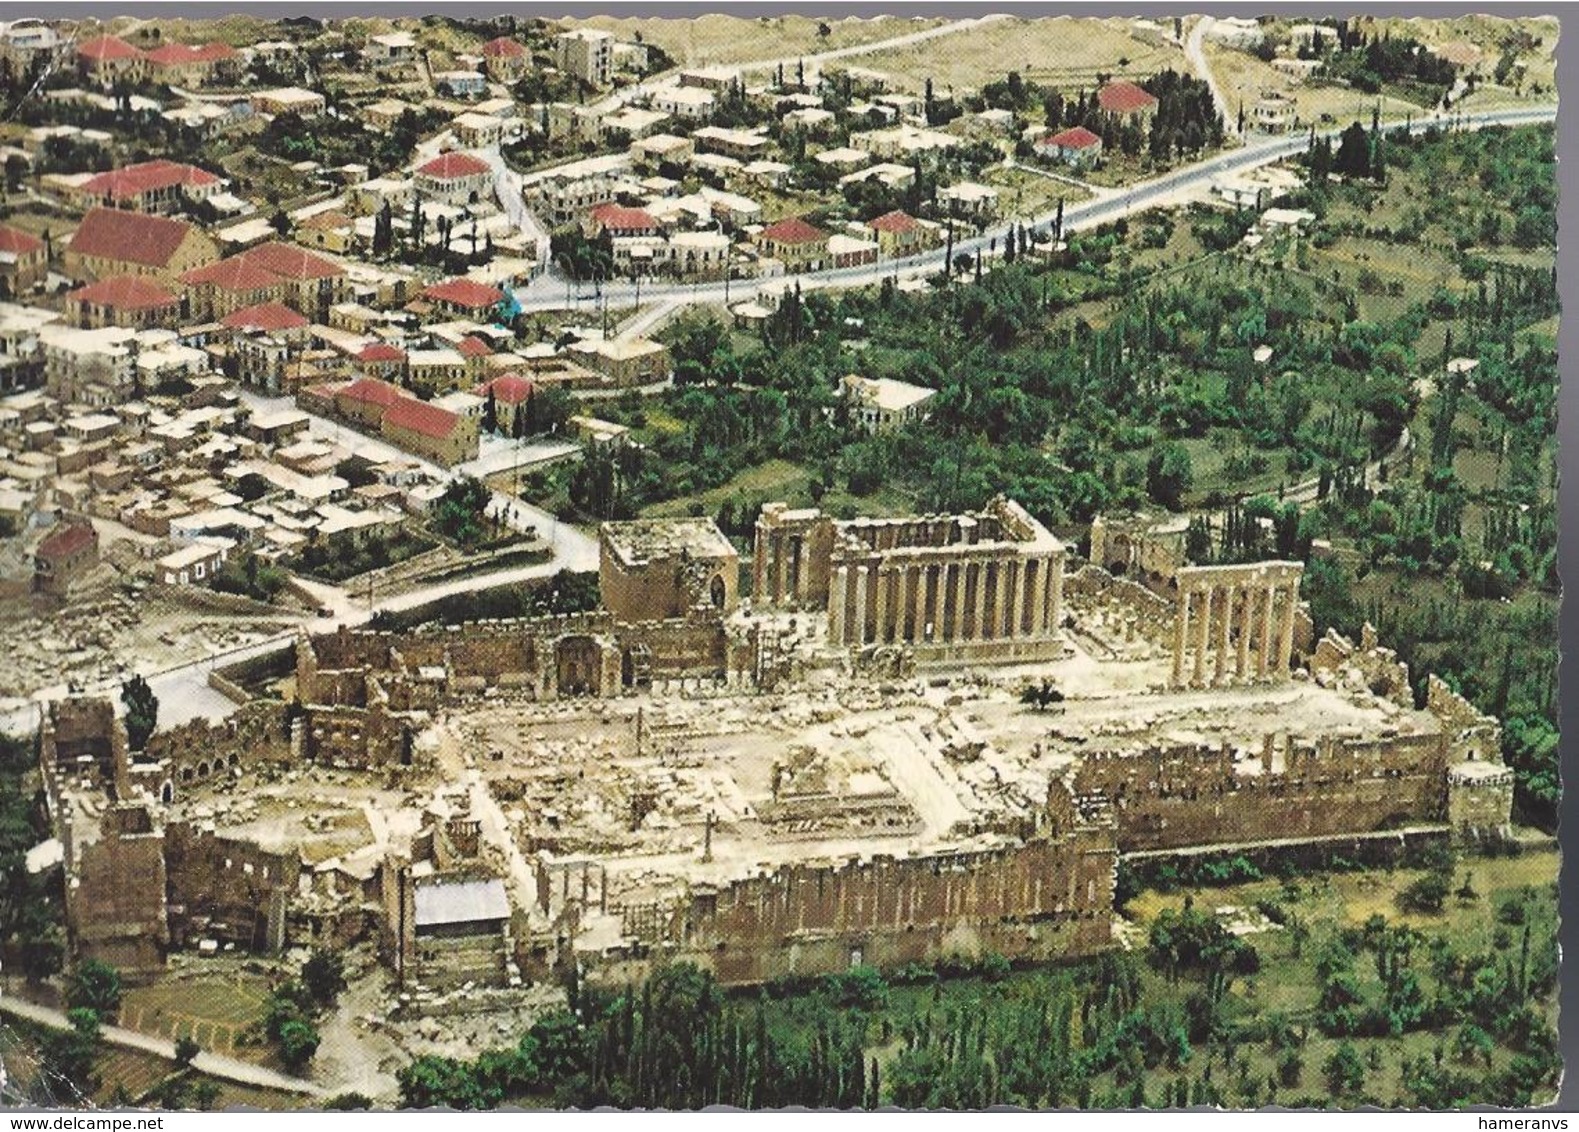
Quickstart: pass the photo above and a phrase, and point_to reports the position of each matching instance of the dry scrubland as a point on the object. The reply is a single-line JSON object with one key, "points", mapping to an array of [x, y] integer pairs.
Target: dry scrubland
{"points": [[730, 39], [1065, 52]]}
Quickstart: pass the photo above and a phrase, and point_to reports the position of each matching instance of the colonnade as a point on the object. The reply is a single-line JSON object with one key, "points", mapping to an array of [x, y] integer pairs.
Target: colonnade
{"points": [[944, 600], [1223, 627]]}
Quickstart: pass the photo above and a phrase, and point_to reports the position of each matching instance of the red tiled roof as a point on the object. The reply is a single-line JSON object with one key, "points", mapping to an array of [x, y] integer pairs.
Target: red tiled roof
{"points": [[896, 221], [148, 176], [64, 541], [508, 388], [464, 293], [453, 166], [794, 230], [264, 266], [472, 346], [129, 237], [381, 352], [126, 292], [1124, 98], [419, 416], [178, 53], [371, 392], [1076, 137], [502, 46], [17, 242], [107, 47], [291, 262], [213, 52], [233, 274], [617, 218], [264, 316]]}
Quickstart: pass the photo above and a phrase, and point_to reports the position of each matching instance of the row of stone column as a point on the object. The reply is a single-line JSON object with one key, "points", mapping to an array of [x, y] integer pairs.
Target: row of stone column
{"points": [[779, 573], [923, 602], [1246, 614]]}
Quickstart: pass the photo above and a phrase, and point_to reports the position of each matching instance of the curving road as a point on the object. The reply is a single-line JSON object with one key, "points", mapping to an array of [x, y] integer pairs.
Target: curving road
{"points": [[213, 1064], [547, 293]]}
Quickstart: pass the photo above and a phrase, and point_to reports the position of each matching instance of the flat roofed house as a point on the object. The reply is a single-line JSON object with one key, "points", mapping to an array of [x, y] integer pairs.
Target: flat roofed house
{"points": [[881, 404]]}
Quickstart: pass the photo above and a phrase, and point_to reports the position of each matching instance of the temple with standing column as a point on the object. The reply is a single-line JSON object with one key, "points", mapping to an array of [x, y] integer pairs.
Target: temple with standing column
{"points": [[984, 585]]}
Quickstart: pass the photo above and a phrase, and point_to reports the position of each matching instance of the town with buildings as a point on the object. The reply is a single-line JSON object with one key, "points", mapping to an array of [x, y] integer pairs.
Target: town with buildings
{"points": [[510, 527]]}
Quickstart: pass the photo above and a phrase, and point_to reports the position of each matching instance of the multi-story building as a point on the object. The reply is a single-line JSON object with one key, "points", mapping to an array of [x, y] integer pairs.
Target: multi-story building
{"points": [[799, 246], [157, 186], [505, 60], [123, 300], [456, 178], [108, 59], [111, 241], [23, 260], [587, 54]]}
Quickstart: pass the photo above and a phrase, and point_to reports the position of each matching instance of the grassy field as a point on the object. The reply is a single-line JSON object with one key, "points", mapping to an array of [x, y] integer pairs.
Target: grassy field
{"points": [[1242, 77], [1066, 52], [1025, 192], [718, 39], [215, 1013], [783, 480]]}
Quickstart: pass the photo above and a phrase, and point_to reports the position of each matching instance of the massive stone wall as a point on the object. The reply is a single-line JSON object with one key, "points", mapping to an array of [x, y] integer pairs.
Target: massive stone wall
{"points": [[1182, 796], [1048, 897], [198, 750], [1042, 900], [227, 888], [544, 657], [115, 891]]}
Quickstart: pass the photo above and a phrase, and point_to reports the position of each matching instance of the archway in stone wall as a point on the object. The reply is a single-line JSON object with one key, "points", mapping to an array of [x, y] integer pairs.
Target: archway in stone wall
{"points": [[186, 774], [167, 792], [578, 666], [717, 591], [202, 769]]}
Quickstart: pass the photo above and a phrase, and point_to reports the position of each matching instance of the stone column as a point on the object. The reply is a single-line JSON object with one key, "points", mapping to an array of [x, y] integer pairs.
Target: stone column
{"points": [[858, 619], [907, 601], [759, 566], [802, 571], [978, 625], [958, 617], [838, 592], [780, 565], [1198, 680], [1264, 661], [885, 578], [1221, 667], [1000, 589], [1055, 615], [1246, 600], [1017, 598], [1285, 648], [1181, 635], [1039, 598]]}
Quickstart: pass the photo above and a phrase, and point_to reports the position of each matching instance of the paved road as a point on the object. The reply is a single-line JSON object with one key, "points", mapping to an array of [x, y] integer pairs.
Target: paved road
{"points": [[547, 292], [213, 1064]]}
